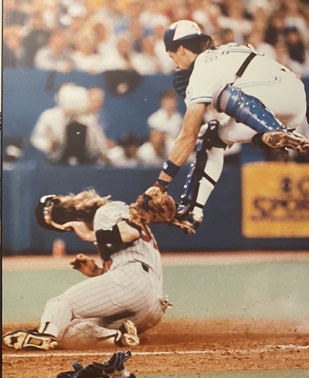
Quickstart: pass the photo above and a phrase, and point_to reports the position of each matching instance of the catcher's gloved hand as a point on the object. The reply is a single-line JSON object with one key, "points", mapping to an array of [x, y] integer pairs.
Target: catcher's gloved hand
{"points": [[152, 207]]}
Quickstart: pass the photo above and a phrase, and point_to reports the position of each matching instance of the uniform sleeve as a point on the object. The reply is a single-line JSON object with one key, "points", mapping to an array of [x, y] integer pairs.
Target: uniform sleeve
{"points": [[110, 214], [200, 87], [210, 73]]}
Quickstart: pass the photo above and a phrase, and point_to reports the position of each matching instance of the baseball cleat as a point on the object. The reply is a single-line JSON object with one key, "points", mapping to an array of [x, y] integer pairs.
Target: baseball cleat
{"points": [[29, 339], [127, 335], [285, 138]]}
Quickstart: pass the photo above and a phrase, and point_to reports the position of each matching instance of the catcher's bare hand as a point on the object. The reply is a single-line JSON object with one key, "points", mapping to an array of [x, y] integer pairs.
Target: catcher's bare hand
{"points": [[86, 265], [81, 230], [152, 207]]}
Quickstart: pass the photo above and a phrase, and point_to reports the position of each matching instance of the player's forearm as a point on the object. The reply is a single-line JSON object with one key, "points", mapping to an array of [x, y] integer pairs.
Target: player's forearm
{"points": [[184, 144], [182, 149], [127, 232]]}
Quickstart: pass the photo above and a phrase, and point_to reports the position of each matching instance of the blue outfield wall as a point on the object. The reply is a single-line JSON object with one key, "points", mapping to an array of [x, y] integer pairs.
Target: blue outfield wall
{"points": [[27, 182], [26, 93]]}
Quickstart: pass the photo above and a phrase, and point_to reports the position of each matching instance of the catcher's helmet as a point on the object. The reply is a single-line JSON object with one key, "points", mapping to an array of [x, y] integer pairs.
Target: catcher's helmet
{"points": [[49, 215], [183, 30]]}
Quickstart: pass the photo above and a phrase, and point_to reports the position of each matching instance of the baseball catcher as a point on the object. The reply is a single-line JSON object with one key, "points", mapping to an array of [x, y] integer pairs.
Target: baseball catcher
{"points": [[262, 101]]}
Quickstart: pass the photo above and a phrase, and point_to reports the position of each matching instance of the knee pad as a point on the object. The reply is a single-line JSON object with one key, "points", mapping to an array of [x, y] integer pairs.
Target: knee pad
{"points": [[209, 137], [246, 109]]}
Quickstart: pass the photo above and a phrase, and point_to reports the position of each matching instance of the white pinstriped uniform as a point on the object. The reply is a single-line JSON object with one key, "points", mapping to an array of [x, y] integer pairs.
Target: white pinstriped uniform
{"points": [[125, 291], [272, 83]]}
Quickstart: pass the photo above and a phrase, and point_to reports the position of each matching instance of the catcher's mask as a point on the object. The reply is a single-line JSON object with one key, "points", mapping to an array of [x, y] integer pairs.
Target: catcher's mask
{"points": [[49, 215]]}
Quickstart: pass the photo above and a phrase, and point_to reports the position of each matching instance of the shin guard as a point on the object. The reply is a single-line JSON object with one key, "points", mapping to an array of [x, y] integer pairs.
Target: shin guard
{"points": [[246, 109], [208, 139]]}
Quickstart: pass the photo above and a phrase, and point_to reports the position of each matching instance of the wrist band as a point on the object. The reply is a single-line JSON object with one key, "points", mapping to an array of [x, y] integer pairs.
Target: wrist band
{"points": [[162, 185], [170, 168]]}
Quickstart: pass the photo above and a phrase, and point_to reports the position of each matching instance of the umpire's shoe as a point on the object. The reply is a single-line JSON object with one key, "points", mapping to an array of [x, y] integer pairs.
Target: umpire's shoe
{"points": [[127, 335], [29, 340], [285, 139]]}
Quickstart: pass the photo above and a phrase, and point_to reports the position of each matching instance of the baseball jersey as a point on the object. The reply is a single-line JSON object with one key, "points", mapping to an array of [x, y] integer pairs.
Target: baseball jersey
{"points": [[143, 249], [217, 67]]}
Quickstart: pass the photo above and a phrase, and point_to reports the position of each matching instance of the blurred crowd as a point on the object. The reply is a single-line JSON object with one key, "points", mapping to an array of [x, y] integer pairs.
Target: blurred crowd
{"points": [[104, 35], [99, 35], [72, 132]]}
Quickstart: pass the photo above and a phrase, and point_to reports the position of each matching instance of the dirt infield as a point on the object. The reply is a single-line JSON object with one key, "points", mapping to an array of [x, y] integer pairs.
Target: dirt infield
{"points": [[187, 345], [177, 346]]}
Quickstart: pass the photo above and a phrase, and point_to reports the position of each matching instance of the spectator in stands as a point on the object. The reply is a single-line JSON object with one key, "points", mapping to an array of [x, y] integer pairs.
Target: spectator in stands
{"points": [[13, 14], [112, 11], [208, 16], [56, 55], [36, 37], [167, 118], [85, 54], [155, 151], [179, 10], [294, 17], [237, 20], [275, 29], [13, 51], [136, 33], [125, 153], [121, 59], [152, 14], [223, 36], [51, 10], [297, 51], [96, 105], [127, 17], [105, 36], [78, 22], [70, 10], [65, 133], [146, 62], [256, 39]]}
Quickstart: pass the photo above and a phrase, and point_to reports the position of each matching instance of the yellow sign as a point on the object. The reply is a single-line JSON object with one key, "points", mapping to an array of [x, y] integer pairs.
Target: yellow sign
{"points": [[275, 200]]}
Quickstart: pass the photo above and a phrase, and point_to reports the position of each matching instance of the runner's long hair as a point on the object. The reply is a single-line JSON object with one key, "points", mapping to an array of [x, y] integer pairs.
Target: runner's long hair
{"points": [[81, 206]]}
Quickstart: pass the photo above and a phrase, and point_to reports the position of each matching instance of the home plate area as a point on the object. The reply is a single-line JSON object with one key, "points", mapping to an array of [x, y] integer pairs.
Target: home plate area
{"points": [[186, 348]]}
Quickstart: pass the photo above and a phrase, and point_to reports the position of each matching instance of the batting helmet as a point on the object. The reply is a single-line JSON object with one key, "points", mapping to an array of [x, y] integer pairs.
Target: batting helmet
{"points": [[49, 215], [183, 30]]}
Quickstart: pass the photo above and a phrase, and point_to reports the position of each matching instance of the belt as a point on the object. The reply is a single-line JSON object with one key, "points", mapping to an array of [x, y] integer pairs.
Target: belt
{"points": [[145, 267]]}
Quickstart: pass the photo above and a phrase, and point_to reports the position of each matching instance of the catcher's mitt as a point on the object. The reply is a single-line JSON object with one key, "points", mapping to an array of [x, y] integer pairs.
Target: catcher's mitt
{"points": [[152, 207]]}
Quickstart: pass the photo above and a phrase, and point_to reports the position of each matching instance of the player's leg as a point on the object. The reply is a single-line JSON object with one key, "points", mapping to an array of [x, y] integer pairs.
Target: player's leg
{"points": [[86, 333], [203, 175], [96, 297], [149, 305], [249, 110]]}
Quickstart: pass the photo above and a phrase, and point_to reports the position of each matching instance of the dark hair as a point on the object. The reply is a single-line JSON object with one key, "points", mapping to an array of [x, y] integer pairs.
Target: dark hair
{"points": [[197, 44]]}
